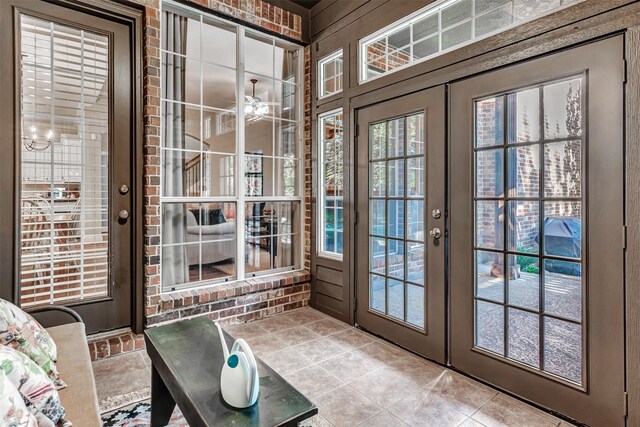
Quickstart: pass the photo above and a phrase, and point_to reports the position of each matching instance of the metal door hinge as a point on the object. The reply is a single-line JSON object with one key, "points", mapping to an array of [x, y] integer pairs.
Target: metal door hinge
{"points": [[357, 131], [356, 217], [355, 304], [624, 71], [624, 237], [626, 404]]}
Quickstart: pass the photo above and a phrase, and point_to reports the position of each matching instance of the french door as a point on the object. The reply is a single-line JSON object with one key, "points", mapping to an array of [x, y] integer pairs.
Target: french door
{"points": [[400, 231], [536, 248], [73, 157]]}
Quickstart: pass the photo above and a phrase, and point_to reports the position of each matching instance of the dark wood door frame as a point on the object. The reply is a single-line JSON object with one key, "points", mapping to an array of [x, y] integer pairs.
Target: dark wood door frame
{"points": [[132, 17]]}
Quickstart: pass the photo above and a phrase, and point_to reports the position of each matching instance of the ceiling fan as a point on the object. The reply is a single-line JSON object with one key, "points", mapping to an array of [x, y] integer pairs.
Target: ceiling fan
{"points": [[253, 104]]}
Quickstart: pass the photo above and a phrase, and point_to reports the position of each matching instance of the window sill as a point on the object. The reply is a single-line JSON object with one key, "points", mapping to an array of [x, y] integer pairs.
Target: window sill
{"points": [[245, 297]]}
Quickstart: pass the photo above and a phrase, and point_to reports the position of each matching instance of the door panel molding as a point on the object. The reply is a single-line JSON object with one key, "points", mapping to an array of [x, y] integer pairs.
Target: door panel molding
{"points": [[602, 403]]}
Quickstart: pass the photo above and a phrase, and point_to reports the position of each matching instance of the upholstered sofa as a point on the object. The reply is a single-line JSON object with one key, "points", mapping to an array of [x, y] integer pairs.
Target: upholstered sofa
{"points": [[79, 398], [218, 240]]}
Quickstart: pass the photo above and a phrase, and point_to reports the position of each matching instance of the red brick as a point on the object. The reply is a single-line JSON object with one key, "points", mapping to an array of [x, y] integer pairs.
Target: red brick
{"points": [[128, 343]]}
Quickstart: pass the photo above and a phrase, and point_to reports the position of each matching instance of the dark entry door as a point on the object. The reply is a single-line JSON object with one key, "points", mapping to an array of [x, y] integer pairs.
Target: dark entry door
{"points": [[536, 237], [73, 155], [400, 231]]}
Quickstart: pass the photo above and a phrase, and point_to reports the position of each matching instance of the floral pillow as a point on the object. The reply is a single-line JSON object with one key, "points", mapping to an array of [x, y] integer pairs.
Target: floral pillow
{"points": [[22, 332], [13, 411], [36, 388]]}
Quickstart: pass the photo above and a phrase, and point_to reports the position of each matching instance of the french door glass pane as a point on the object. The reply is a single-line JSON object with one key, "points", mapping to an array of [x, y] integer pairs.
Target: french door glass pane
{"points": [[64, 229], [529, 227], [396, 219]]}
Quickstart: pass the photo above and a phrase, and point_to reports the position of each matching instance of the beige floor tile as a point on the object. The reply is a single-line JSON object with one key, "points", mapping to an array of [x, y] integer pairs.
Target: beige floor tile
{"points": [[297, 335], [246, 330], [315, 421], [351, 339], [286, 361], [121, 374], [420, 371], [348, 366], [384, 387], [470, 422], [426, 408], [383, 419], [382, 353], [313, 381], [464, 394], [266, 344], [146, 359], [502, 411], [318, 355], [346, 407], [327, 326], [319, 350], [305, 315], [277, 323]]}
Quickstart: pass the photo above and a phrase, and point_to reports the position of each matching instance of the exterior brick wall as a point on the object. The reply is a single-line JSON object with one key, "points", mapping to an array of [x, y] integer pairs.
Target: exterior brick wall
{"points": [[238, 302]]}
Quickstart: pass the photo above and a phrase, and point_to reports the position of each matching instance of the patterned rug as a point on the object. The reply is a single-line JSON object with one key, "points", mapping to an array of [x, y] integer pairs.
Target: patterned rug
{"points": [[139, 415], [112, 403]]}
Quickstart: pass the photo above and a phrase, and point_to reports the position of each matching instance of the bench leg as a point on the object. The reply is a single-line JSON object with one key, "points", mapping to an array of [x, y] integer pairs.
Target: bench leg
{"points": [[162, 404]]}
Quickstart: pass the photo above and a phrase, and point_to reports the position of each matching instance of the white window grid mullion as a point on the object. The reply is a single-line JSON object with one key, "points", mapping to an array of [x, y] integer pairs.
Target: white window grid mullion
{"points": [[240, 158], [201, 172], [53, 173], [473, 19], [83, 153]]}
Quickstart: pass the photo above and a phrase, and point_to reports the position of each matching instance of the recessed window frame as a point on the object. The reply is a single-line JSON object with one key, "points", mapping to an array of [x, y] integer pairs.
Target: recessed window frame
{"points": [[240, 199], [338, 54], [431, 9], [320, 232]]}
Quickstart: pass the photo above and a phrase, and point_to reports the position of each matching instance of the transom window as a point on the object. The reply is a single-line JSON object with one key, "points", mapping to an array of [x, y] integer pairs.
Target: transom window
{"points": [[231, 186], [330, 74], [331, 187], [442, 26]]}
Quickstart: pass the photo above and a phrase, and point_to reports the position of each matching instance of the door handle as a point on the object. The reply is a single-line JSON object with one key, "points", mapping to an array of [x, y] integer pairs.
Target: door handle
{"points": [[123, 215], [435, 233]]}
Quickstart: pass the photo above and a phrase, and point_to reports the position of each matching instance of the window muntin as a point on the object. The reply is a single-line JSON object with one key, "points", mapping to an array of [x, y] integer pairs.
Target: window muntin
{"points": [[331, 184], [330, 75], [442, 26], [397, 191], [220, 148], [530, 286]]}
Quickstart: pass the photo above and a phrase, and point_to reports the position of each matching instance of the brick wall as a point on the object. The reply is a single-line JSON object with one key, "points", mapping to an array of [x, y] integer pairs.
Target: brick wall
{"points": [[243, 301]]}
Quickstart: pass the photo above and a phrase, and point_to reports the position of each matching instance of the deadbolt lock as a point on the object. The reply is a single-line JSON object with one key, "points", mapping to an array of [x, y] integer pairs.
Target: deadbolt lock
{"points": [[436, 213], [124, 189]]}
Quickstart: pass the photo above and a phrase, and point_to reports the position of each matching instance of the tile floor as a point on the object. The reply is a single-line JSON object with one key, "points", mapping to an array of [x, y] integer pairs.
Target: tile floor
{"points": [[355, 378]]}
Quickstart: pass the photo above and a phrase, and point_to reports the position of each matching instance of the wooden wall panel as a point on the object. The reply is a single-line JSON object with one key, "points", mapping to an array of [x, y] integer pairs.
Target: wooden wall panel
{"points": [[633, 225]]}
